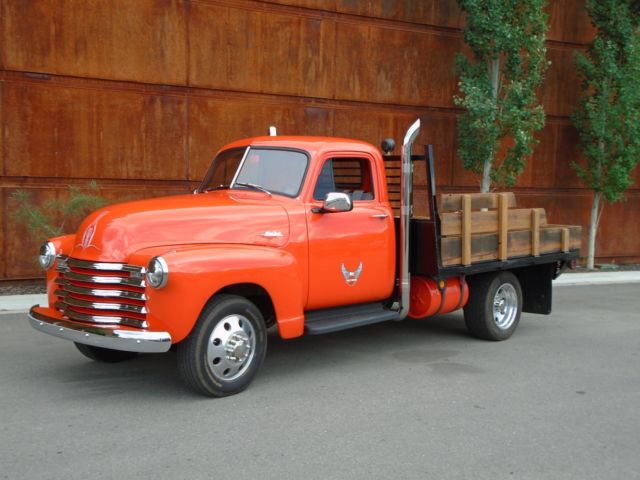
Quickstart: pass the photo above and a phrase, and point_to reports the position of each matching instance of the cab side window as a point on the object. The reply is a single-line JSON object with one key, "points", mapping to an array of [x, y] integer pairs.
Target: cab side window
{"points": [[346, 175]]}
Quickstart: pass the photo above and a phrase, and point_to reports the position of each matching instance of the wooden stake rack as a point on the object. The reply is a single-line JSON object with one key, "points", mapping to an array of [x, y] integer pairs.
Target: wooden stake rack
{"points": [[477, 227]]}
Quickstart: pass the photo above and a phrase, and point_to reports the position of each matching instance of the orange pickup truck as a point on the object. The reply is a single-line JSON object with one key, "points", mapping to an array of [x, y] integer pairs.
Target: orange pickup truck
{"points": [[306, 234]]}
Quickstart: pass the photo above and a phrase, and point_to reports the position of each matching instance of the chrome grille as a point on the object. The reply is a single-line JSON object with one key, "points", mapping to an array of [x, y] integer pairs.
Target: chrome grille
{"points": [[101, 292]]}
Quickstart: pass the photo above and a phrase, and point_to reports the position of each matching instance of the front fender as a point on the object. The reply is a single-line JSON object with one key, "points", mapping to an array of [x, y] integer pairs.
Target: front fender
{"points": [[197, 273]]}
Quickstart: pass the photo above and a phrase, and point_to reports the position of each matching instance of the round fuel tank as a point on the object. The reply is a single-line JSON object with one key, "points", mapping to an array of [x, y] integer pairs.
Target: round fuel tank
{"points": [[428, 298]]}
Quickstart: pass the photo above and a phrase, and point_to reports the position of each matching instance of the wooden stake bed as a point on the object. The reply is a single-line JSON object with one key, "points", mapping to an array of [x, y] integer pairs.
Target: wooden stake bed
{"points": [[481, 227]]}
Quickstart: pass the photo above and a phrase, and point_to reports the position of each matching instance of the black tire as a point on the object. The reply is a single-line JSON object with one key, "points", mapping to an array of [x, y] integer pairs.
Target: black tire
{"points": [[105, 355], [224, 351], [486, 320]]}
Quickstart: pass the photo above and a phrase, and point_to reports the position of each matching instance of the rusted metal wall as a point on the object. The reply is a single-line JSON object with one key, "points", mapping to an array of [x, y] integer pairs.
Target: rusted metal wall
{"points": [[139, 95]]}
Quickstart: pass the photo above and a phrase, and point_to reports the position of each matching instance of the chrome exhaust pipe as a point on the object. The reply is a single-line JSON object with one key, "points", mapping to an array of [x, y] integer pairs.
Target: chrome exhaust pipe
{"points": [[406, 211]]}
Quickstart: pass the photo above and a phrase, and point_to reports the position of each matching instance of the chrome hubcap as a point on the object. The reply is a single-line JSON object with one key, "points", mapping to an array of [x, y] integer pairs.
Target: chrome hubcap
{"points": [[505, 306], [231, 347]]}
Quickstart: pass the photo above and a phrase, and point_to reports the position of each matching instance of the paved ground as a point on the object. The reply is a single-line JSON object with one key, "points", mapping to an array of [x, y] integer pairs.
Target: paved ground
{"points": [[409, 400]]}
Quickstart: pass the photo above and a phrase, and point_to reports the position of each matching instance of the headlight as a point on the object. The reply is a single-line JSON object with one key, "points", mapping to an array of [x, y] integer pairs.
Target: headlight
{"points": [[47, 255], [157, 272]]}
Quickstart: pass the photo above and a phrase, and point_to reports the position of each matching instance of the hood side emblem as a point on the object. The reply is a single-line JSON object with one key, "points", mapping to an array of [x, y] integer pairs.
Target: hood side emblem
{"points": [[351, 277], [90, 231], [272, 234]]}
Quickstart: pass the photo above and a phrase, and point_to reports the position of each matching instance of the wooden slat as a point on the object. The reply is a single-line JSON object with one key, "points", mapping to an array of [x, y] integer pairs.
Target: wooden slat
{"points": [[565, 239], [535, 232], [487, 221], [485, 247], [466, 229], [503, 225], [452, 202]]}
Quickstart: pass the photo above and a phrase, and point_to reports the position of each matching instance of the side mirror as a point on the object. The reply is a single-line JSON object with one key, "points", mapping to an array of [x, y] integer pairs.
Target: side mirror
{"points": [[335, 202]]}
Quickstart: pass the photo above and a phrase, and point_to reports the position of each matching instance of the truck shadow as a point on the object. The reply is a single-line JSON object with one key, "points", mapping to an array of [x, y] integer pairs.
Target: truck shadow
{"points": [[155, 376]]}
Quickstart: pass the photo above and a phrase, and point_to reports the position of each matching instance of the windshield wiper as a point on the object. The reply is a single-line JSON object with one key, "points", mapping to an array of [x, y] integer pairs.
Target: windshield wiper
{"points": [[219, 187], [253, 185]]}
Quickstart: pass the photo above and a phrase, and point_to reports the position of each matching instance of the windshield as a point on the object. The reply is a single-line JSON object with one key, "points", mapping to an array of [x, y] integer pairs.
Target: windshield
{"points": [[263, 169]]}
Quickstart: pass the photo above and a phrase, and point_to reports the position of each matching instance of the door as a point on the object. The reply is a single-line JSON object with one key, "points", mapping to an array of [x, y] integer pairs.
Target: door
{"points": [[351, 254]]}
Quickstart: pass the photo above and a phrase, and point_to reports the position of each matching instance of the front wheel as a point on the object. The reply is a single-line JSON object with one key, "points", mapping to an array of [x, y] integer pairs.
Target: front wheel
{"points": [[226, 348], [494, 306]]}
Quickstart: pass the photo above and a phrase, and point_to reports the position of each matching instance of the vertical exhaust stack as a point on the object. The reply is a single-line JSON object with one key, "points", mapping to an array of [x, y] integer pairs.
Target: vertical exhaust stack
{"points": [[406, 210]]}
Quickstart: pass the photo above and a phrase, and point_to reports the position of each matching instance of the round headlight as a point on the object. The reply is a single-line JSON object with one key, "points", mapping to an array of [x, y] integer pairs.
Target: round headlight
{"points": [[47, 255], [157, 272]]}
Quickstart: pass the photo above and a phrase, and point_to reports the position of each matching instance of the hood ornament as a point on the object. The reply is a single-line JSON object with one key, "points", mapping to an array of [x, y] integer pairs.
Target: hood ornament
{"points": [[351, 277], [89, 232]]}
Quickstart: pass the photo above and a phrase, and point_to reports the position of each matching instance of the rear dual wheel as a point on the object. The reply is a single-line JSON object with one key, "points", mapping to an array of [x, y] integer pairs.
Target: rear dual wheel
{"points": [[494, 306], [226, 348]]}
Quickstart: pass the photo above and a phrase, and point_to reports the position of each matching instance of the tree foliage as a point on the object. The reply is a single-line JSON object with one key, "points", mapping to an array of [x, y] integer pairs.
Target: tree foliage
{"points": [[498, 86], [55, 217], [608, 118]]}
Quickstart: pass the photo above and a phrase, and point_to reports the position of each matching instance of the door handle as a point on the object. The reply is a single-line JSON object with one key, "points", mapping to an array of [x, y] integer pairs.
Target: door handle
{"points": [[380, 215]]}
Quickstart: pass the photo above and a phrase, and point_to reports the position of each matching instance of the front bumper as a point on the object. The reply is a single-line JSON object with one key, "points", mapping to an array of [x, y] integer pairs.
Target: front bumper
{"points": [[48, 321]]}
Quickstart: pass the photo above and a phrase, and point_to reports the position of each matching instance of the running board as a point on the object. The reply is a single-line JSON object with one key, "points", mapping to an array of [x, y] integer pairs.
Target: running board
{"points": [[330, 320]]}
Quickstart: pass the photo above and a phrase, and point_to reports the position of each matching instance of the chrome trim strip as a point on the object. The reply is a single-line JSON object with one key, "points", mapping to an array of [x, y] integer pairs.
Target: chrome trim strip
{"points": [[405, 216], [127, 294], [81, 277], [119, 307], [103, 266], [115, 339], [103, 319], [62, 263], [235, 177]]}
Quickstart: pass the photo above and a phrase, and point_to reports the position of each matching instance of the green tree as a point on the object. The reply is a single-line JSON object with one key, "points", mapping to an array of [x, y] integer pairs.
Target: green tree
{"points": [[498, 86], [608, 117], [55, 217]]}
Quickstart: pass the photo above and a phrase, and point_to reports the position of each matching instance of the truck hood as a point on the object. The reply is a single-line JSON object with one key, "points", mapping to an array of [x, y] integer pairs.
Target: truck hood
{"points": [[112, 233]]}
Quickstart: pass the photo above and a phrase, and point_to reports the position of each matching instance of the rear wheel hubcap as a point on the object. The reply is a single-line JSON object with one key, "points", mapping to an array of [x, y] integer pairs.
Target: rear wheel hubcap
{"points": [[505, 306]]}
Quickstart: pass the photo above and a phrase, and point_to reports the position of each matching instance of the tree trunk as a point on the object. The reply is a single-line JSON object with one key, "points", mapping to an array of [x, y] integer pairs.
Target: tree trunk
{"points": [[593, 229], [494, 74]]}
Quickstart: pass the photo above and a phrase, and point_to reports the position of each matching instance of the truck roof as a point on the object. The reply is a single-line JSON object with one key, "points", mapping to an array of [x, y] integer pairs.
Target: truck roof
{"points": [[313, 145]]}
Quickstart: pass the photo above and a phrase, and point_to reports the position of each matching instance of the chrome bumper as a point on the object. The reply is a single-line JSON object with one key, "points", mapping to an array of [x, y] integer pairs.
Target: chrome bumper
{"points": [[100, 336]]}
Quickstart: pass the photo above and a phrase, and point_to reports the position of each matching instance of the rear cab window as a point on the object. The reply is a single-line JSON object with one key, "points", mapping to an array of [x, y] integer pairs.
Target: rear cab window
{"points": [[350, 175]]}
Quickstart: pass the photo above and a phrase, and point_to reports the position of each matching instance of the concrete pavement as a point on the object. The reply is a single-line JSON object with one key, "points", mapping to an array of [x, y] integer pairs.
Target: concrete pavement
{"points": [[408, 400]]}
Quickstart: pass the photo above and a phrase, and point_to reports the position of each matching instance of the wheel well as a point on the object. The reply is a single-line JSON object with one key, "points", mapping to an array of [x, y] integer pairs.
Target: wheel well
{"points": [[257, 295], [535, 283]]}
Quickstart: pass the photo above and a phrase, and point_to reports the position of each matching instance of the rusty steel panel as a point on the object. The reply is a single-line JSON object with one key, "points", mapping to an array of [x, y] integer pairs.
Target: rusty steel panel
{"points": [[239, 49], [64, 131], [440, 130], [2, 129], [21, 247], [389, 65], [142, 41], [539, 169], [561, 89], [569, 22], [141, 95], [428, 12], [245, 118], [567, 151], [574, 208], [4, 225], [21, 259]]}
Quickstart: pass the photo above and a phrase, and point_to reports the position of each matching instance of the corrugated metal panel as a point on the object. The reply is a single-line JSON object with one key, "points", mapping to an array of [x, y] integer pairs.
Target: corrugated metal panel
{"points": [[140, 95]]}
